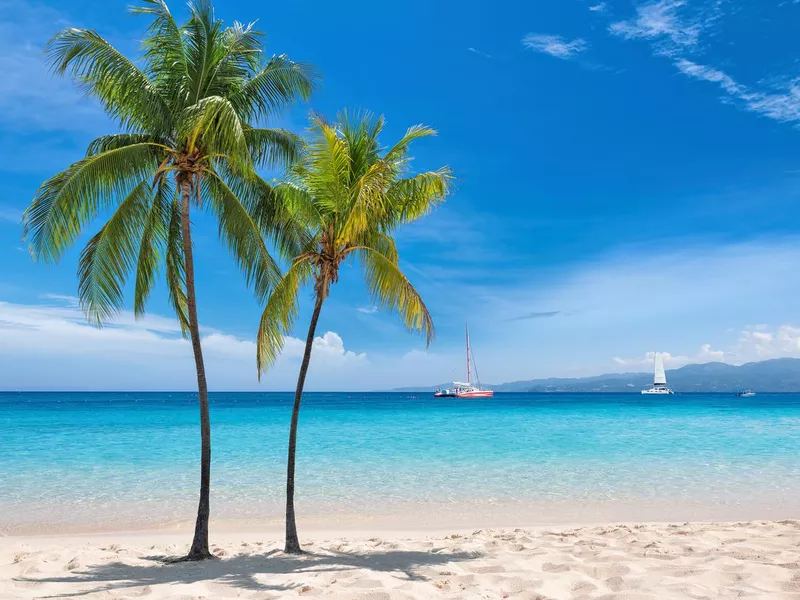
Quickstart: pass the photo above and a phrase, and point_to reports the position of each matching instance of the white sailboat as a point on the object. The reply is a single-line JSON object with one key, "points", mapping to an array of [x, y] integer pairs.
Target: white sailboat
{"points": [[466, 389], [659, 378]]}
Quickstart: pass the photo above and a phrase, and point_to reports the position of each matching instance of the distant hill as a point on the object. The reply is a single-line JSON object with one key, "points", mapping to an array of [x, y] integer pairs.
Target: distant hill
{"points": [[776, 375]]}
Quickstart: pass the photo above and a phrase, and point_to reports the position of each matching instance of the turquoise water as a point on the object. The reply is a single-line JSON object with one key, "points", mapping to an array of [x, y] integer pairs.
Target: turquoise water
{"points": [[87, 460]]}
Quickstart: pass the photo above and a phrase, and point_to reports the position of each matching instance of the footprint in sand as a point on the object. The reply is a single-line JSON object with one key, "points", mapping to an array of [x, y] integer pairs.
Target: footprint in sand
{"points": [[554, 568], [604, 571], [489, 569]]}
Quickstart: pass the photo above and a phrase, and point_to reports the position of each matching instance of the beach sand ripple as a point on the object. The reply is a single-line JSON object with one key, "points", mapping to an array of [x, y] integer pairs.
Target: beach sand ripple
{"points": [[620, 562]]}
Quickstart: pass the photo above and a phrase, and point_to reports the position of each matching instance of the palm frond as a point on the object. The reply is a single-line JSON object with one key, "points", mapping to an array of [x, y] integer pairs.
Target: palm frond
{"points": [[416, 196], [279, 83], [110, 255], [279, 314], [399, 151], [176, 268], [242, 235], [204, 48], [325, 170], [237, 62], [213, 125], [69, 200], [360, 130], [369, 202], [115, 141], [165, 54], [153, 245], [392, 290], [272, 147], [126, 93], [277, 214]]}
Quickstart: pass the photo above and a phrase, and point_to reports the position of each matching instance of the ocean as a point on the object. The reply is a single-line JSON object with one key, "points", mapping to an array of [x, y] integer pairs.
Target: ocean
{"points": [[101, 461]]}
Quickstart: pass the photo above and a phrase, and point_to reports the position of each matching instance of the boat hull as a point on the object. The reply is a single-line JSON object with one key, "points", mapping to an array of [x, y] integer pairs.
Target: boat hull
{"points": [[476, 394], [473, 394], [658, 392]]}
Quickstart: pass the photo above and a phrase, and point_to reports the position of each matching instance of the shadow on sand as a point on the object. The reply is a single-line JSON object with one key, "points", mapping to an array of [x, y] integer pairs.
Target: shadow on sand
{"points": [[246, 571]]}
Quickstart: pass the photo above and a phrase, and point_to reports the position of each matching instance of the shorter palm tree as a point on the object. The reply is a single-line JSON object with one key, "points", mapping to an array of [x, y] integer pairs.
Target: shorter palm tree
{"points": [[352, 195]]}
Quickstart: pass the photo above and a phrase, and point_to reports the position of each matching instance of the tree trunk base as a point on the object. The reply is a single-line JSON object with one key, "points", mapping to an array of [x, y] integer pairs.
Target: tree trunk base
{"points": [[293, 549], [191, 557]]}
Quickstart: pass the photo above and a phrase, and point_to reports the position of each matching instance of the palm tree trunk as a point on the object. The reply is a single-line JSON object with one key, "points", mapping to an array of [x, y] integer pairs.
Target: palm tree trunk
{"points": [[199, 549], [292, 542]]}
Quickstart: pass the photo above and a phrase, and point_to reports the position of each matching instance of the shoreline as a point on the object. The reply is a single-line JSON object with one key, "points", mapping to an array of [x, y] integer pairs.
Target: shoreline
{"points": [[411, 516]]}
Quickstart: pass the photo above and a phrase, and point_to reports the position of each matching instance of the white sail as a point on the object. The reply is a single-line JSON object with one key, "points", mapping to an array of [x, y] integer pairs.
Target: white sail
{"points": [[659, 377]]}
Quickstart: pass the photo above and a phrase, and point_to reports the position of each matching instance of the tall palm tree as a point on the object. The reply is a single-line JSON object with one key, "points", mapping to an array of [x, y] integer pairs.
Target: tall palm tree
{"points": [[352, 194], [190, 114]]}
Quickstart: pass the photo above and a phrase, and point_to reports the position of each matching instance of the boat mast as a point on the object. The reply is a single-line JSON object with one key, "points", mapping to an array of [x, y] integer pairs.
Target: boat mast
{"points": [[469, 376]]}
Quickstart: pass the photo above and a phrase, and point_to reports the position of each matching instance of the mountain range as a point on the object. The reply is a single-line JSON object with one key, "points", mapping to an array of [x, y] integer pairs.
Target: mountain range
{"points": [[776, 375]]}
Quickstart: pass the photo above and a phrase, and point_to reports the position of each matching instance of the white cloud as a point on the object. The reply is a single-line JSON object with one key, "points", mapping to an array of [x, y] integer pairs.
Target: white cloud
{"points": [[660, 21], [554, 45], [755, 343], [601, 7], [704, 355], [367, 310], [51, 346]]}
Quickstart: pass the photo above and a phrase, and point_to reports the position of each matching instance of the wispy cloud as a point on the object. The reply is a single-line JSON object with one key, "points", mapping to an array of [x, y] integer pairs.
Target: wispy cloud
{"points": [[367, 310], [30, 96], [675, 29], [781, 106], [662, 22], [554, 45], [479, 53], [536, 315], [601, 7]]}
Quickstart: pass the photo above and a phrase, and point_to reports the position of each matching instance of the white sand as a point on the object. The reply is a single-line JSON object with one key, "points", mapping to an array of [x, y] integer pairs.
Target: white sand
{"points": [[742, 560]]}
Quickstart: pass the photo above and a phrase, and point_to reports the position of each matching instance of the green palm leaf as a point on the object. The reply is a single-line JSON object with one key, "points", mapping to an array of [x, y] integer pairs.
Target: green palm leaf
{"points": [[110, 255], [270, 148], [66, 202], [126, 93], [176, 268], [280, 82], [242, 235], [392, 290], [153, 245], [279, 314]]}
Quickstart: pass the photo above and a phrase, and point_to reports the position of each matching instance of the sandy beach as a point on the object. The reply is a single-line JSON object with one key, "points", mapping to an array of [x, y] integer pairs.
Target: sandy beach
{"points": [[758, 559]]}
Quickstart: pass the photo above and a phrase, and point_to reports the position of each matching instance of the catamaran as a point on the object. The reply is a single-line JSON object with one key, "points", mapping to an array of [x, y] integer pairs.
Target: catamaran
{"points": [[659, 378], [466, 390]]}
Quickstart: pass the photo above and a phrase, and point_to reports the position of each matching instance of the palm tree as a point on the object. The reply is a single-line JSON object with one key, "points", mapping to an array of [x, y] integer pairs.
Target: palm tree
{"points": [[189, 113], [352, 194]]}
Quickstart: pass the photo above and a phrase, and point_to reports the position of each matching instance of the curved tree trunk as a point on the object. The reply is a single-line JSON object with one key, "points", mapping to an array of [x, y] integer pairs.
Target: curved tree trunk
{"points": [[199, 549], [292, 542]]}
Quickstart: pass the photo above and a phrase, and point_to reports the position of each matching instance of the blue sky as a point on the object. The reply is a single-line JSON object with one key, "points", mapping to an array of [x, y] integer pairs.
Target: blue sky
{"points": [[627, 181]]}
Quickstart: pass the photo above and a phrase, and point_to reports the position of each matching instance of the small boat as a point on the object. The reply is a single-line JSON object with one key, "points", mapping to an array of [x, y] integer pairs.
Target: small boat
{"points": [[659, 378], [745, 393], [466, 390]]}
